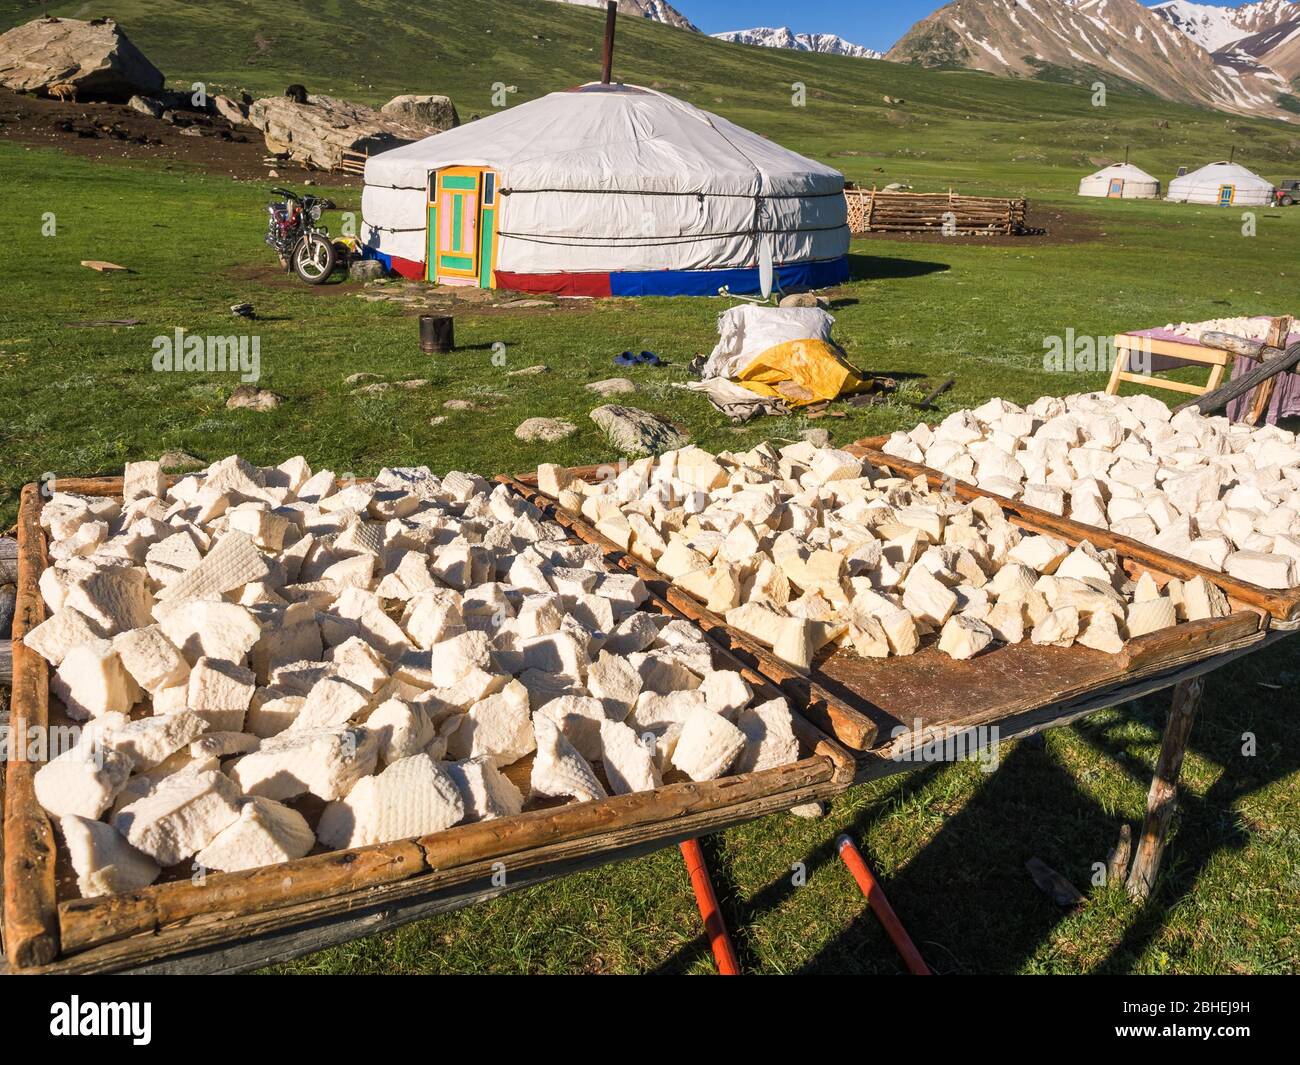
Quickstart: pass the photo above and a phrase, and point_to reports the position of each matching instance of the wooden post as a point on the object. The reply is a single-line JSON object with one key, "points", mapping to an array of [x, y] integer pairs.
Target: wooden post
{"points": [[1278, 332], [611, 14], [1163, 796]]}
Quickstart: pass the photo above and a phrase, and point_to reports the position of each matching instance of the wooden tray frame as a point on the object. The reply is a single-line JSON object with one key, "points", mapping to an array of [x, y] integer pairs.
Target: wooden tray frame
{"points": [[856, 699], [43, 933], [1282, 608]]}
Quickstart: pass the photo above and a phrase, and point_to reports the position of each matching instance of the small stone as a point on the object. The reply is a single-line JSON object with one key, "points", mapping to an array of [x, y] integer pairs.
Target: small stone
{"points": [[529, 371], [365, 270], [360, 378], [437, 419], [178, 460], [613, 386], [816, 437], [800, 299], [638, 432], [546, 430], [253, 398], [458, 404]]}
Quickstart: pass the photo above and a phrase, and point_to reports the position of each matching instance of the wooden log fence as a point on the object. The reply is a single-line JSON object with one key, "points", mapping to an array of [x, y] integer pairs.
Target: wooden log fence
{"points": [[888, 211]]}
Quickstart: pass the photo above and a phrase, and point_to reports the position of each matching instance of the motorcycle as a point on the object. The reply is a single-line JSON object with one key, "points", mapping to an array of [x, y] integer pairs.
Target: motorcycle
{"points": [[304, 246]]}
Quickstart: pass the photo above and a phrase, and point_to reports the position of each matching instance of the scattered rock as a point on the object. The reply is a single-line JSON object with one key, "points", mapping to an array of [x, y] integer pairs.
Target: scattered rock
{"points": [[458, 404], [366, 270], [253, 398], [816, 437], [373, 390], [437, 419], [146, 105], [529, 371], [613, 386], [809, 810], [192, 131], [233, 111], [358, 378], [93, 59], [528, 303], [638, 432], [179, 460], [436, 112], [413, 382], [546, 430], [319, 131], [800, 299]]}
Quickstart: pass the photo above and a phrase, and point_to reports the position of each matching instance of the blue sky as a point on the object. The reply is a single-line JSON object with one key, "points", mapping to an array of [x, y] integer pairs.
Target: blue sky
{"points": [[874, 23]]}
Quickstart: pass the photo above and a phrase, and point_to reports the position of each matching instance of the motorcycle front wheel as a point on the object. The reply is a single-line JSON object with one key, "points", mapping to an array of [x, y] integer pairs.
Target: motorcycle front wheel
{"points": [[313, 260]]}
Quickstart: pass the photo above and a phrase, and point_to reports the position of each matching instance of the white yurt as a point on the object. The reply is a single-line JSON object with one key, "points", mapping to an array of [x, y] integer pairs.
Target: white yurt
{"points": [[1224, 184], [606, 189], [1120, 181]]}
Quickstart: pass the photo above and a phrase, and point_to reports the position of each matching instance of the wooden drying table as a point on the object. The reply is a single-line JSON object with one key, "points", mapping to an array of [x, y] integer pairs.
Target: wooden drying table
{"points": [[888, 709], [235, 922], [1277, 613]]}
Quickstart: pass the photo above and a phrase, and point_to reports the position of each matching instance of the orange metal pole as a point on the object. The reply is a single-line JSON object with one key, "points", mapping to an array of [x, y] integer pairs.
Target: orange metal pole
{"points": [[880, 906], [723, 952]]}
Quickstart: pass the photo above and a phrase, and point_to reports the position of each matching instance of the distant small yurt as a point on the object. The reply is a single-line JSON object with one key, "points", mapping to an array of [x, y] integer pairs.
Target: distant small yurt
{"points": [[1223, 184], [603, 190], [1120, 181]]}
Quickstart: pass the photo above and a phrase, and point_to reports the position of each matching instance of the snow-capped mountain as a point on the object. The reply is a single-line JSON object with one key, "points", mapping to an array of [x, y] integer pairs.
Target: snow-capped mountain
{"points": [[784, 37], [1120, 38], [654, 10], [1215, 28]]}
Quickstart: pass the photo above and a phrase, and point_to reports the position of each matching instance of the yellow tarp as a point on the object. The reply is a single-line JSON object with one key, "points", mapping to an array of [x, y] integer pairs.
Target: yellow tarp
{"points": [[801, 372]]}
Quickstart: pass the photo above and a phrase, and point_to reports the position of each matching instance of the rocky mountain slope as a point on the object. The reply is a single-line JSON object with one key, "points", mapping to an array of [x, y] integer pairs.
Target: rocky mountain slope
{"points": [[1117, 38], [654, 10]]}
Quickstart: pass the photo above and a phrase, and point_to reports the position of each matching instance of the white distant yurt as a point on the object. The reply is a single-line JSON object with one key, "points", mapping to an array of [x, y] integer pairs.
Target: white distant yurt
{"points": [[1120, 181], [602, 190], [1224, 184]]}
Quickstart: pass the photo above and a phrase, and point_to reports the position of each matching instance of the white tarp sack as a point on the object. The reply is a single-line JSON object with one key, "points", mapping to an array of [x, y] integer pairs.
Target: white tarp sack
{"points": [[745, 332]]}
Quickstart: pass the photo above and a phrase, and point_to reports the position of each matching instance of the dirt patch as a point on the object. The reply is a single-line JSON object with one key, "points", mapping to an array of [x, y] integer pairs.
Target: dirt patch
{"points": [[1061, 226], [114, 131], [412, 297]]}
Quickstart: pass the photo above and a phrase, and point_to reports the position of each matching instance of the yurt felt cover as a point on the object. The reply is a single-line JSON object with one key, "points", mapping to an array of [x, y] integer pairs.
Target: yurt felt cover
{"points": [[1202, 186], [1137, 182], [605, 187]]}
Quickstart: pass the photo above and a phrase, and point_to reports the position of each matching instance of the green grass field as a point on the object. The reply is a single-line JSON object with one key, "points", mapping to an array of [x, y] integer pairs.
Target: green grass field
{"points": [[949, 842]]}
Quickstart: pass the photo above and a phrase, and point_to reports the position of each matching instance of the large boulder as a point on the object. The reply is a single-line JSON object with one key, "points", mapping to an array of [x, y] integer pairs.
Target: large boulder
{"points": [[64, 55], [437, 112], [319, 131]]}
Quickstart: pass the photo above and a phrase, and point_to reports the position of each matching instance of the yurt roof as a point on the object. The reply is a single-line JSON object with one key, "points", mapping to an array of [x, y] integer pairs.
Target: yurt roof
{"points": [[1127, 171], [1220, 173], [611, 138]]}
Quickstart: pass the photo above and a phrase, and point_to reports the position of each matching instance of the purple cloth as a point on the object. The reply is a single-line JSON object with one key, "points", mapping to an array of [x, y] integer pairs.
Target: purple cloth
{"points": [[1285, 402]]}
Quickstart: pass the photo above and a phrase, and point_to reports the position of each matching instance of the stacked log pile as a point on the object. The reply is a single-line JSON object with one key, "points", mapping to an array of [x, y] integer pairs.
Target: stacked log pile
{"points": [[878, 211]]}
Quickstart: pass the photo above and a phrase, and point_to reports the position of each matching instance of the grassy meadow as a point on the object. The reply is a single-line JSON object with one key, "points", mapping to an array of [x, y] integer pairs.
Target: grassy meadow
{"points": [[949, 842]]}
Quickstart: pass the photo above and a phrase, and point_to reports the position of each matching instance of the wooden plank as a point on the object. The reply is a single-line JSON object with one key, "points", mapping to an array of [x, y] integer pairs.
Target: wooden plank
{"points": [[1163, 796], [30, 917], [215, 926], [1282, 605], [827, 709]]}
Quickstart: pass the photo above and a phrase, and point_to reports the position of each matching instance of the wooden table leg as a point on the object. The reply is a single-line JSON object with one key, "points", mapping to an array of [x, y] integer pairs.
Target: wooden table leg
{"points": [[1163, 796]]}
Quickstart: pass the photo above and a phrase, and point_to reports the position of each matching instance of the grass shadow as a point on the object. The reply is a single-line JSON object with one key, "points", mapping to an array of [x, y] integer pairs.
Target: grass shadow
{"points": [[887, 267]]}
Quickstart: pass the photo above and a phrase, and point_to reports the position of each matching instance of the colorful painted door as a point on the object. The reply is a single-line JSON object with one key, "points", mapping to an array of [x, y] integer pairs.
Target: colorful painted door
{"points": [[457, 248], [1116, 191], [1226, 193], [462, 226]]}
